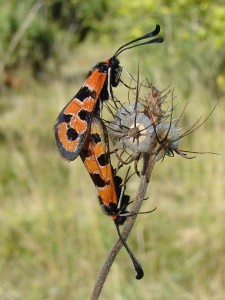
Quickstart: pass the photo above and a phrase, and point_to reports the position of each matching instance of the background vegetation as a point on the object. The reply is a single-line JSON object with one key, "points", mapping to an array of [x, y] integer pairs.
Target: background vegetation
{"points": [[53, 235]]}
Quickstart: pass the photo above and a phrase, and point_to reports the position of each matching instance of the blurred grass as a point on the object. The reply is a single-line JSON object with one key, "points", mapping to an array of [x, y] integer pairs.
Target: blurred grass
{"points": [[53, 235]]}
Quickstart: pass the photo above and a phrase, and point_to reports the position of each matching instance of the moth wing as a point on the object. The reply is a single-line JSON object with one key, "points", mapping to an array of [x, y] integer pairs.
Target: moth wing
{"points": [[96, 158], [71, 129], [73, 123]]}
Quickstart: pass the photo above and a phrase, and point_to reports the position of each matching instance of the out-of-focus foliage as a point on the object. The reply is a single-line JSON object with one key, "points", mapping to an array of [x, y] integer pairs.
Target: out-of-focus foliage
{"points": [[194, 36], [47, 33], [193, 31]]}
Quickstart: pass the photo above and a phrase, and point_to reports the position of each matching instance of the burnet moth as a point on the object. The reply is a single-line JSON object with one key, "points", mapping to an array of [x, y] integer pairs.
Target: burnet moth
{"points": [[96, 158], [74, 121]]}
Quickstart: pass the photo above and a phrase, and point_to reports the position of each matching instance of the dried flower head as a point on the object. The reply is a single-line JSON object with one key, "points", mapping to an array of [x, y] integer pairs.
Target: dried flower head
{"points": [[131, 129], [143, 127], [153, 104]]}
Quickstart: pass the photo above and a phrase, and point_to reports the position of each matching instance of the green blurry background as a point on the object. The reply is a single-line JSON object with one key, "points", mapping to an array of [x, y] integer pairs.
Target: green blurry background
{"points": [[53, 234]]}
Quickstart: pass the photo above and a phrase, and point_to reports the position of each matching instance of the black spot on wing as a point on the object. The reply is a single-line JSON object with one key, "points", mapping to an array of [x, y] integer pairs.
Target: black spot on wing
{"points": [[110, 209], [117, 180], [72, 134], [99, 182], [103, 160], [102, 67], [84, 93], [96, 138], [67, 118], [83, 114], [64, 118]]}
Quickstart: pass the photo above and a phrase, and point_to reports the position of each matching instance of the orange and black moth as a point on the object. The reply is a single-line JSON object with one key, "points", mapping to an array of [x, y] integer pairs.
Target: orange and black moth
{"points": [[73, 123], [80, 131], [96, 158]]}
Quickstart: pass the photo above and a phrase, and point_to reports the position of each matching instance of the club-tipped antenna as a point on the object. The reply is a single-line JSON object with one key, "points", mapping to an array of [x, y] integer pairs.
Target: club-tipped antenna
{"points": [[137, 266], [143, 37]]}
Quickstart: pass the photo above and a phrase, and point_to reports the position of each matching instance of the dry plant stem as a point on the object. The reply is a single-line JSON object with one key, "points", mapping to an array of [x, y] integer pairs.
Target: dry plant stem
{"points": [[148, 164]]}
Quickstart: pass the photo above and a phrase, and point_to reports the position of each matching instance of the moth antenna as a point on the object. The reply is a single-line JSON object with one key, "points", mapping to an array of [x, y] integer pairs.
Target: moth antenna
{"points": [[146, 36], [136, 264]]}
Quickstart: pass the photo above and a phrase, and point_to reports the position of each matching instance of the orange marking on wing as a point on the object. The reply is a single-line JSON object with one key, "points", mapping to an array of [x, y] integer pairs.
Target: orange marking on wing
{"points": [[108, 194], [92, 88], [99, 149], [96, 81], [91, 164], [78, 124], [90, 154], [89, 104], [73, 107], [68, 144]]}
